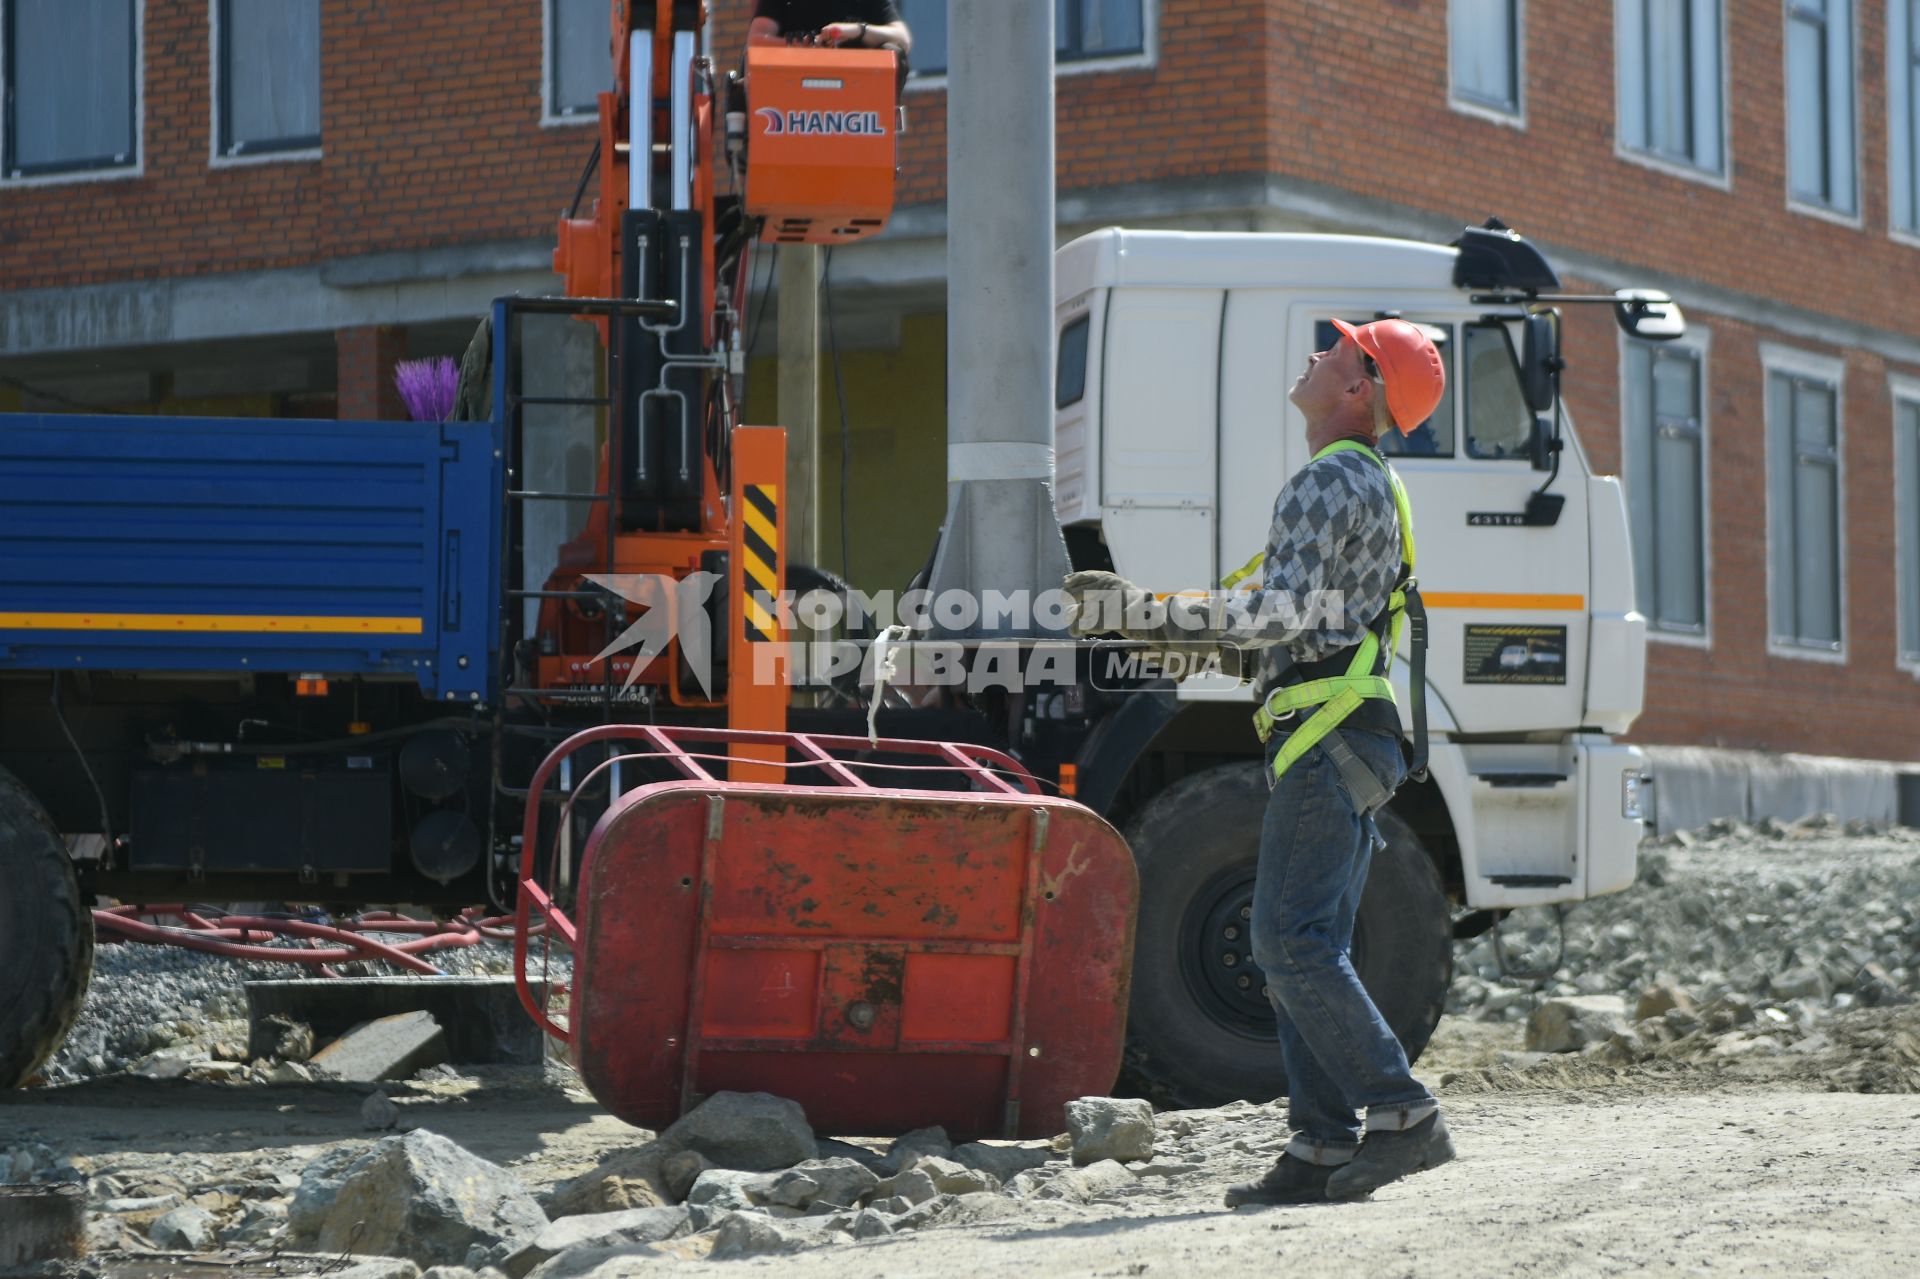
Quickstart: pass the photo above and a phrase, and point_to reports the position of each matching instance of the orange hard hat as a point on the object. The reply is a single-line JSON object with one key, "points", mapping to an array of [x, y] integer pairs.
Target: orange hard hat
{"points": [[1410, 367]]}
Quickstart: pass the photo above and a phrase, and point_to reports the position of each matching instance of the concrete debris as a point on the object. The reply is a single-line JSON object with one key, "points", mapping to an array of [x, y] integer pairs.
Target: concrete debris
{"points": [[913, 1185], [753, 1132], [363, 1267], [283, 1072], [1084, 1185], [632, 1178], [596, 1230], [1003, 1162], [1568, 1025], [744, 1234], [188, 1228], [904, 1150], [385, 1048], [840, 1181], [1662, 998], [378, 1112], [320, 1183], [952, 1178], [280, 1037], [1110, 1128], [719, 1191], [423, 1197], [871, 1223]]}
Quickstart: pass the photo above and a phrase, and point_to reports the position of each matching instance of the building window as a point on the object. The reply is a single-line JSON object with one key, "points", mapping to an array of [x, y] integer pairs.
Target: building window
{"points": [[1803, 504], [579, 58], [1485, 39], [71, 91], [1671, 93], [269, 63], [1903, 114], [1906, 457], [1820, 142], [1666, 472], [1083, 31]]}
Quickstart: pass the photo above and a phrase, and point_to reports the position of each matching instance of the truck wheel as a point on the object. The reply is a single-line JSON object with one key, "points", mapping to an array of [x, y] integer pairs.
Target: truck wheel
{"points": [[46, 936], [1199, 1030]]}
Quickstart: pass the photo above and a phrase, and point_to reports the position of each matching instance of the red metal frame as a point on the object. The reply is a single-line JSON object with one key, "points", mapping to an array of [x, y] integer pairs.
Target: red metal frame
{"points": [[987, 767]]}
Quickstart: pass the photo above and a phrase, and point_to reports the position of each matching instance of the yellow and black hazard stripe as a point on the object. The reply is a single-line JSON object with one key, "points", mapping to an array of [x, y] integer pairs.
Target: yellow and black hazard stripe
{"points": [[760, 562]]}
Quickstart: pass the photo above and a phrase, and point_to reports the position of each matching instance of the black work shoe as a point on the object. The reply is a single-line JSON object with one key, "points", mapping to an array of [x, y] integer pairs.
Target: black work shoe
{"points": [[1387, 1156], [1291, 1181]]}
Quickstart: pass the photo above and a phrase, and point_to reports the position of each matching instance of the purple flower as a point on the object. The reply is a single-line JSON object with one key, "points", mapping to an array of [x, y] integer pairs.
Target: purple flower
{"points": [[427, 387]]}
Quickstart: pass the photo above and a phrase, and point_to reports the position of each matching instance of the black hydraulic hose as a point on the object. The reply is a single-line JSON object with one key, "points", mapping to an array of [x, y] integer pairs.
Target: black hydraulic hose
{"points": [[99, 795], [586, 174]]}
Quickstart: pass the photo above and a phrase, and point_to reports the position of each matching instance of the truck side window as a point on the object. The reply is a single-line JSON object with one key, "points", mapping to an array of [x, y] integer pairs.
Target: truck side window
{"points": [[1070, 382], [1499, 424], [1433, 437]]}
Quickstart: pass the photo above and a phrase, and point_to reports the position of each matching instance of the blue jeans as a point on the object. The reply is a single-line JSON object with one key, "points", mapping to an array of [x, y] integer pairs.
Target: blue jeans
{"points": [[1314, 850]]}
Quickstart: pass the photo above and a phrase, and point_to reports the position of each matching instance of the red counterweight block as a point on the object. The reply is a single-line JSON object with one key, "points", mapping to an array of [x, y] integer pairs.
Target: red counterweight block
{"points": [[888, 959]]}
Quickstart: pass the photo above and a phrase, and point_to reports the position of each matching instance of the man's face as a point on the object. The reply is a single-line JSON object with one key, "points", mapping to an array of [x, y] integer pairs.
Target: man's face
{"points": [[1328, 377]]}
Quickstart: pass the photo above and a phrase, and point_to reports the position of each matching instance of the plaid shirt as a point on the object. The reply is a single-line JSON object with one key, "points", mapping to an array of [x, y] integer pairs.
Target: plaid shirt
{"points": [[1333, 555]]}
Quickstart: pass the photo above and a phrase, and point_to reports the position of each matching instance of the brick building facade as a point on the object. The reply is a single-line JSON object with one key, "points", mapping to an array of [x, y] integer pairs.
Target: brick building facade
{"points": [[1757, 160]]}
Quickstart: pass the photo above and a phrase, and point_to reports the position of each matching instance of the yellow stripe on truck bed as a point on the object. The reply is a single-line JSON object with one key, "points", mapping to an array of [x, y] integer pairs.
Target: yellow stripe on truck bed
{"points": [[1502, 600], [190, 623]]}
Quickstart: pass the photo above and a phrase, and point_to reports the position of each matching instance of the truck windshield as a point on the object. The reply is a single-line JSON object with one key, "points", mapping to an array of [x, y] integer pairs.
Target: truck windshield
{"points": [[1433, 437]]}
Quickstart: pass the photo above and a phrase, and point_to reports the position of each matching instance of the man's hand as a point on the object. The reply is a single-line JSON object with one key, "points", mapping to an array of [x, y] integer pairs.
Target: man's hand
{"points": [[847, 33], [1101, 602]]}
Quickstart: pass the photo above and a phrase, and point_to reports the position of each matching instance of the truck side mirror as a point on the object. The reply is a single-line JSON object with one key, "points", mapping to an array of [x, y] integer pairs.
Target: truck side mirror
{"points": [[1540, 359], [1543, 444], [1648, 314]]}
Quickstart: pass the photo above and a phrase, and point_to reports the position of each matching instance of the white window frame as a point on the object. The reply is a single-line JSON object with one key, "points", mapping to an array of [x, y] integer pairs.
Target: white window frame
{"points": [[1700, 342], [1722, 179], [1516, 118], [1857, 218], [1794, 362], [1146, 59], [1901, 119], [215, 157], [549, 117], [138, 168], [1904, 391]]}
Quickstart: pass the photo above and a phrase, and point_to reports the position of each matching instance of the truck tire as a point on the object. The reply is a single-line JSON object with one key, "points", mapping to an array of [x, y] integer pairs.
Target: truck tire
{"points": [[1199, 1030], [46, 936]]}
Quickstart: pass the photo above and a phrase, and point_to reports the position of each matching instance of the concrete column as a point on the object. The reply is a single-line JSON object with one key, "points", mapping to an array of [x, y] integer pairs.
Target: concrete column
{"points": [[799, 402], [1001, 531], [366, 358]]}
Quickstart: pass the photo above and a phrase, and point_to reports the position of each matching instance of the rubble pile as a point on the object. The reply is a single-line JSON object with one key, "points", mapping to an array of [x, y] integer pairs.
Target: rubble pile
{"points": [[1803, 919]]}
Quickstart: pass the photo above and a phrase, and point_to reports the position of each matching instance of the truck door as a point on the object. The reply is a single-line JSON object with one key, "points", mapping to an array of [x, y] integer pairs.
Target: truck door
{"points": [[1506, 602]]}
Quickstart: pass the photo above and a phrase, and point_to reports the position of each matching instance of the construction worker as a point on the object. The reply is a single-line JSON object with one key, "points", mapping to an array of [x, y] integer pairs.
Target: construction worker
{"points": [[1334, 754], [871, 24]]}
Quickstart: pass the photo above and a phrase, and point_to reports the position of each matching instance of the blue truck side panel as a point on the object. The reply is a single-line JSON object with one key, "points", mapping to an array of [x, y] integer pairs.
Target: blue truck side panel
{"points": [[238, 545]]}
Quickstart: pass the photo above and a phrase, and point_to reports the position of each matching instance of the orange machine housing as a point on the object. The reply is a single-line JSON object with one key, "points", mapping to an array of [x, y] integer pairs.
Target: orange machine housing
{"points": [[822, 142]]}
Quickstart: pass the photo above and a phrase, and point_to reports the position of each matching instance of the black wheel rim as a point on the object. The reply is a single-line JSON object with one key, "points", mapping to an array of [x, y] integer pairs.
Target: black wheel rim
{"points": [[1216, 954]]}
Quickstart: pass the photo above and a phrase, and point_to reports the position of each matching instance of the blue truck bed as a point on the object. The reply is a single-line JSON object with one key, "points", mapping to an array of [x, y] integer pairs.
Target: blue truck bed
{"points": [[241, 545]]}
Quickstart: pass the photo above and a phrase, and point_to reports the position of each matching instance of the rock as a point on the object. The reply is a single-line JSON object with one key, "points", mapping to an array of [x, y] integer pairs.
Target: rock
{"points": [[840, 1181], [741, 1234], [678, 1172], [925, 1214], [376, 1268], [1117, 1128], [719, 1191], [188, 1228], [449, 1272], [595, 1230], [422, 1196], [1570, 1024], [892, 1205], [1659, 1000], [379, 1112], [631, 1178], [385, 1048], [320, 1183], [1084, 1185], [168, 1063], [752, 1132], [829, 1148], [218, 1072], [283, 1072], [261, 1221], [144, 1203], [1003, 1163], [951, 1178], [913, 1185], [281, 1038], [1799, 983], [921, 1141], [972, 1209], [871, 1223]]}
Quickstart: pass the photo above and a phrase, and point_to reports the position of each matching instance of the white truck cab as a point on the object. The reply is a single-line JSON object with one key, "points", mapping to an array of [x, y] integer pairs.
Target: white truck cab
{"points": [[1174, 433]]}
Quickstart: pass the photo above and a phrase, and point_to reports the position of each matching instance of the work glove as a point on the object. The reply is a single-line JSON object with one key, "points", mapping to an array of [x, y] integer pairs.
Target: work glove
{"points": [[1099, 602]]}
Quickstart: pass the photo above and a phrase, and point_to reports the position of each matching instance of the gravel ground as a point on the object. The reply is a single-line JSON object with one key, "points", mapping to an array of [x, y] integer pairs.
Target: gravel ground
{"points": [[1774, 1126]]}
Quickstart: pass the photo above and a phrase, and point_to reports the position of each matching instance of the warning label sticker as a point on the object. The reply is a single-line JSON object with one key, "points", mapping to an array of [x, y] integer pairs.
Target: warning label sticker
{"points": [[1517, 654]]}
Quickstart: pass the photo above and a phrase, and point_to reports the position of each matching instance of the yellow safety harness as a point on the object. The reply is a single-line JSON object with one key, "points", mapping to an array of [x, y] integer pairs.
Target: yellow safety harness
{"points": [[1338, 696]]}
